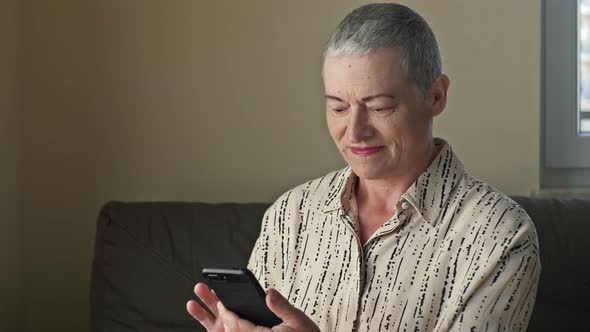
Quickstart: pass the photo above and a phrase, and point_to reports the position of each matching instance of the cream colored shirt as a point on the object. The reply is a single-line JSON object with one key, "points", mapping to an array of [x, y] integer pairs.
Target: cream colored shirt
{"points": [[457, 255]]}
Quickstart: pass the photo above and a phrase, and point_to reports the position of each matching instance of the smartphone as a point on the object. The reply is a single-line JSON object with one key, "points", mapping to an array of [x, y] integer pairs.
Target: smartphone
{"points": [[240, 292]]}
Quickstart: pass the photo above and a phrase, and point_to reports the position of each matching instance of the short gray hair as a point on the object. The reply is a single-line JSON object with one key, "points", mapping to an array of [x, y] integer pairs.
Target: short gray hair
{"points": [[375, 26]]}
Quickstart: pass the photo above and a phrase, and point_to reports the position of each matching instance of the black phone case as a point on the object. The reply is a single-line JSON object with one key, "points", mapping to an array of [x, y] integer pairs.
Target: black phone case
{"points": [[240, 292]]}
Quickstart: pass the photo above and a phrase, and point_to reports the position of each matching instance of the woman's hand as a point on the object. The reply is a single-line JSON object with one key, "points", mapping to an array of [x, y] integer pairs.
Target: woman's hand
{"points": [[211, 323], [227, 321]]}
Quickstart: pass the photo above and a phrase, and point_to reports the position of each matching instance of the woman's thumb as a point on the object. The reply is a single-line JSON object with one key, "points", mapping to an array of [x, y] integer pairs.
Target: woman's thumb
{"points": [[281, 307], [291, 316]]}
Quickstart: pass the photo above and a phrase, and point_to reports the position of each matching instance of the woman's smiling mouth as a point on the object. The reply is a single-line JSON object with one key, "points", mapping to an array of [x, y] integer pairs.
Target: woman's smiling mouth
{"points": [[365, 151]]}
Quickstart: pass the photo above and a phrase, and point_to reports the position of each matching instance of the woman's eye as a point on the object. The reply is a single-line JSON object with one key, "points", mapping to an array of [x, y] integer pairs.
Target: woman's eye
{"points": [[383, 111]]}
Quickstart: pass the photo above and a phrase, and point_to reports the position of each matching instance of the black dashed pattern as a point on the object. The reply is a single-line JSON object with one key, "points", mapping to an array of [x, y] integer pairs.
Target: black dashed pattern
{"points": [[461, 257]]}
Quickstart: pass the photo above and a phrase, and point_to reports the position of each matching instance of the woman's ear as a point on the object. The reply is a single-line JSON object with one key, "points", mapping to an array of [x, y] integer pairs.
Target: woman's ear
{"points": [[438, 94]]}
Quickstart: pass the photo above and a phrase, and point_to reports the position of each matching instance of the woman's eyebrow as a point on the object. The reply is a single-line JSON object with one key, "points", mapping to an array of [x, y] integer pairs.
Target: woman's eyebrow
{"points": [[333, 97], [365, 99], [380, 95]]}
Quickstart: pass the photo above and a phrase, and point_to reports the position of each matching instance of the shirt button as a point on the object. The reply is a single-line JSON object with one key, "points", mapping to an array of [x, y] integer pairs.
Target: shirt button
{"points": [[405, 205]]}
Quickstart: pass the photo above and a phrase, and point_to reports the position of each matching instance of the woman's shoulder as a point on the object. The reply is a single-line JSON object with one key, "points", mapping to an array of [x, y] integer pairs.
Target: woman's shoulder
{"points": [[313, 191]]}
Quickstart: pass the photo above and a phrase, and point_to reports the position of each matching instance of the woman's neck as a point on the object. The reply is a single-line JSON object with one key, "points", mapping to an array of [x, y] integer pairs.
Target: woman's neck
{"points": [[382, 194]]}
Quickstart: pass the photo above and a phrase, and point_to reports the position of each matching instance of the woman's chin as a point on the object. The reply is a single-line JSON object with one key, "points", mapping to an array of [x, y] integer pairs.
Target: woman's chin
{"points": [[368, 172]]}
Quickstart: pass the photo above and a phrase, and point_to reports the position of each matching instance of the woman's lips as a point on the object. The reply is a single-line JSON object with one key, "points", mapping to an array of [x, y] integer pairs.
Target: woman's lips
{"points": [[365, 151]]}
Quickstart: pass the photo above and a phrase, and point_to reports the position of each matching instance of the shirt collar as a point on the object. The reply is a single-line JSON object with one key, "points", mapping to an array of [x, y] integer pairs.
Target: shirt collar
{"points": [[428, 194], [339, 190]]}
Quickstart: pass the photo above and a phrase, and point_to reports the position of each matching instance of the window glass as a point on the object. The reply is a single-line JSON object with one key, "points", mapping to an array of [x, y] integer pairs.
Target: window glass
{"points": [[584, 76]]}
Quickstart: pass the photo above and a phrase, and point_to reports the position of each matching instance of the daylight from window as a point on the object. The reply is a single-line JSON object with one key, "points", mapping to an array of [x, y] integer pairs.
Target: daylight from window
{"points": [[584, 68]]}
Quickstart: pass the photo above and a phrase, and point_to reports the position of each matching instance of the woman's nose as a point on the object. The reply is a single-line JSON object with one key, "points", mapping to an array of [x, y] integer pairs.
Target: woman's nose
{"points": [[358, 124]]}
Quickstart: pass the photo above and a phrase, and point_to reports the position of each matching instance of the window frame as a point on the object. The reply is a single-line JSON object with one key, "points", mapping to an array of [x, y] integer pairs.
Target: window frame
{"points": [[565, 154]]}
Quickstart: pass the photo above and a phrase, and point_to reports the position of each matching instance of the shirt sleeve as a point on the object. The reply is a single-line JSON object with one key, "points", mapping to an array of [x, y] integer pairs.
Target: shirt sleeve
{"points": [[504, 300]]}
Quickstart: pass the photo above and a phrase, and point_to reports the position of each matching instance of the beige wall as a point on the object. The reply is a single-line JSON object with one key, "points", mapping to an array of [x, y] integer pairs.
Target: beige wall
{"points": [[491, 51], [221, 101], [10, 228], [59, 149]]}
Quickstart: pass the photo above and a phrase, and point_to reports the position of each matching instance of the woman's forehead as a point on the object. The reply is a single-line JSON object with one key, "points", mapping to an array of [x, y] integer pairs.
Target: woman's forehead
{"points": [[364, 74]]}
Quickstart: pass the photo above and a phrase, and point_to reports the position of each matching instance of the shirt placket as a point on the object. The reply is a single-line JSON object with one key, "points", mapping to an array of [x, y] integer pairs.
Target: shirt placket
{"points": [[358, 272], [392, 225]]}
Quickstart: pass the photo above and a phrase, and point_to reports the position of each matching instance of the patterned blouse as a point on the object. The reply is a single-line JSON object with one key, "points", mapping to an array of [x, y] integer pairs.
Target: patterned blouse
{"points": [[457, 255]]}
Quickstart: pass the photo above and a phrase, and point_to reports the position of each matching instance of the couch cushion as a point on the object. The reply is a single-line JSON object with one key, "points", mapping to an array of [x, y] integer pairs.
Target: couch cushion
{"points": [[148, 257], [563, 226]]}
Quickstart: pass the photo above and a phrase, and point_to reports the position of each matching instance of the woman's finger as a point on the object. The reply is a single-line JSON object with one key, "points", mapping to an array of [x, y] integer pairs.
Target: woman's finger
{"points": [[200, 314], [229, 319], [233, 323], [207, 297]]}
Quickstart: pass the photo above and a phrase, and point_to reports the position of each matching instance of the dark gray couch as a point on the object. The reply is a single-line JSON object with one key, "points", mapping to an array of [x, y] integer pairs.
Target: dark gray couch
{"points": [[148, 256]]}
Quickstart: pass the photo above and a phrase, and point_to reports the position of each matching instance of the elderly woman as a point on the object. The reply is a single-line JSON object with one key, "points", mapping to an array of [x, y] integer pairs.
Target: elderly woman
{"points": [[403, 237]]}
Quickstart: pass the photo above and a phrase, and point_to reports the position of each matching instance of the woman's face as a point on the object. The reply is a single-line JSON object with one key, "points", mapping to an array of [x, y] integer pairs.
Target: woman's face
{"points": [[379, 121]]}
